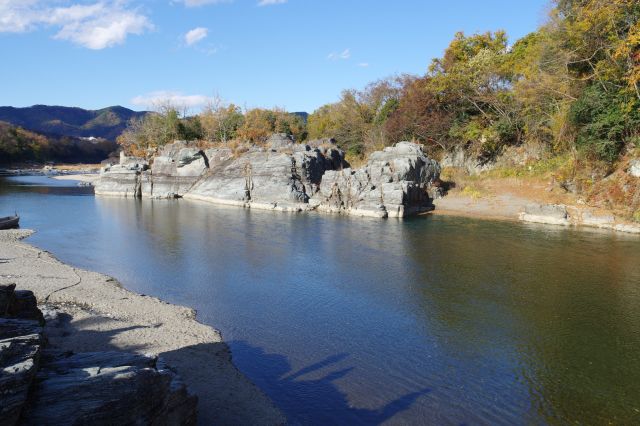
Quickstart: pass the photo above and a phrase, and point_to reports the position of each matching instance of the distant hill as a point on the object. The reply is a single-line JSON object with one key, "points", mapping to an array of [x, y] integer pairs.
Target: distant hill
{"points": [[107, 123], [18, 145], [303, 115]]}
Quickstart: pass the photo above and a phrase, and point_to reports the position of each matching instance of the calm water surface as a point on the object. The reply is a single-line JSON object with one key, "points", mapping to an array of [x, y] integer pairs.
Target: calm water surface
{"points": [[432, 320]]}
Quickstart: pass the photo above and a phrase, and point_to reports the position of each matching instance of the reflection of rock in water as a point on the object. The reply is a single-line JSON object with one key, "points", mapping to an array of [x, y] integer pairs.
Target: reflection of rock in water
{"points": [[283, 176]]}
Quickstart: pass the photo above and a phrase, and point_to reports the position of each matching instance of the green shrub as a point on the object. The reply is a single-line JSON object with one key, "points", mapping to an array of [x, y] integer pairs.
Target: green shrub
{"points": [[604, 119]]}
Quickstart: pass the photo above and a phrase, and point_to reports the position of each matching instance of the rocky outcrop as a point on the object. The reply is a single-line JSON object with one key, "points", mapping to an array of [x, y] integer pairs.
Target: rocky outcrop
{"points": [[21, 343], [283, 175], [474, 164], [39, 386], [176, 170], [554, 214], [396, 182], [550, 214], [106, 388], [123, 179]]}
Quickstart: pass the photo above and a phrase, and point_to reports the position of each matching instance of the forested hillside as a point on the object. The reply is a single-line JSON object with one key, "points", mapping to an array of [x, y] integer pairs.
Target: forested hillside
{"points": [[18, 145], [570, 86], [107, 123]]}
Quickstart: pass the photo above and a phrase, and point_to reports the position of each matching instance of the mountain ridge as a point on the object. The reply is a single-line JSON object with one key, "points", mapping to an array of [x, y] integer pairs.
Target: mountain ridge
{"points": [[55, 120]]}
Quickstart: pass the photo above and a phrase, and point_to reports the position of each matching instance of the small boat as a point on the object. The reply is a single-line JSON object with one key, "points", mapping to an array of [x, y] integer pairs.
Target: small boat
{"points": [[9, 222]]}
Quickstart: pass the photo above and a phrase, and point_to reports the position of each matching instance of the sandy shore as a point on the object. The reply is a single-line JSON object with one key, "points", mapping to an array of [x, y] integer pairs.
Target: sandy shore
{"points": [[84, 177], [503, 207], [95, 313]]}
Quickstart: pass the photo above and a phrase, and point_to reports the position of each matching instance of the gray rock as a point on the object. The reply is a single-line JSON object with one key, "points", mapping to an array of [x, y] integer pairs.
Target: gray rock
{"points": [[123, 179], [279, 141], [107, 388], [394, 183], [397, 181], [551, 214], [119, 182], [590, 218], [634, 168], [21, 344], [460, 158], [283, 177], [38, 387]]}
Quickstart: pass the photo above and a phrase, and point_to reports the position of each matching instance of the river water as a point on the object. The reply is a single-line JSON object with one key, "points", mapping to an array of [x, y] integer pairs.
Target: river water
{"points": [[431, 320]]}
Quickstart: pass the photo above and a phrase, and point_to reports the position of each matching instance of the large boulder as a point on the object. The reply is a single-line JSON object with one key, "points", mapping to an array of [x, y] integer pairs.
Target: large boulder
{"points": [[38, 386], [107, 388], [175, 171], [123, 179], [21, 343], [283, 176], [550, 214], [394, 183]]}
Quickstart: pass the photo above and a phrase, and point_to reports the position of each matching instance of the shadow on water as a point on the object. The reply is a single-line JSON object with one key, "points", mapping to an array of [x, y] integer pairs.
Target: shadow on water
{"points": [[312, 400], [310, 394]]}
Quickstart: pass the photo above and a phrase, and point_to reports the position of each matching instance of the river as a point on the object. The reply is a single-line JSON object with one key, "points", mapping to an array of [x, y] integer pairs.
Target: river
{"points": [[430, 320]]}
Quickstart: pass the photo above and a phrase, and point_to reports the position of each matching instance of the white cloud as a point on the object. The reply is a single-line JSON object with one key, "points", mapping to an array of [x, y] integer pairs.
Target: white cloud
{"points": [[162, 97], [363, 64], [198, 3], [270, 2], [195, 35], [346, 54], [95, 26]]}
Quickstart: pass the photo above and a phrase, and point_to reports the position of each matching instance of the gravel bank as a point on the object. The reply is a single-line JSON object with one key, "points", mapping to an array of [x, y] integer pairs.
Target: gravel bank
{"points": [[97, 314]]}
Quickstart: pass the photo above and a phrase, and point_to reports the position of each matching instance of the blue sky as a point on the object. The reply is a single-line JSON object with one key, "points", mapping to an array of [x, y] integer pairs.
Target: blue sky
{"points": [[295, 54]]}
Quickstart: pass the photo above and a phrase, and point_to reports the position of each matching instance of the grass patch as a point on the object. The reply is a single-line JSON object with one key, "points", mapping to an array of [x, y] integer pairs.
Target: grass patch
{"points": [[472, 191]]}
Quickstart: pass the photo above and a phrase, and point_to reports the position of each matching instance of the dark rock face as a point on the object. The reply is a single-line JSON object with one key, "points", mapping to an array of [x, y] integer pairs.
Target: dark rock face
{"points": [[38, 386], [6, 297], [21, 343], [25, 306], [106, 388]]}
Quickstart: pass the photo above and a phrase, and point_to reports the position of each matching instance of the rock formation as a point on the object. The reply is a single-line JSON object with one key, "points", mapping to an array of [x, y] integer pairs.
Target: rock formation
{"points": [[42, 386], [282, 175], [559, 214], [123, 179], [396, 182]]}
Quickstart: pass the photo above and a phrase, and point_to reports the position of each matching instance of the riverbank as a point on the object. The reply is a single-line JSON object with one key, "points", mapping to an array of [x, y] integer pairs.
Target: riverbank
{"points": [[97, 314], [501, 207], [80, 177]]}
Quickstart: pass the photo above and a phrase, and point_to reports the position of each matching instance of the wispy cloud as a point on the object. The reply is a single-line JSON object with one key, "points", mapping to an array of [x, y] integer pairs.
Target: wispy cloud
{"points": [[162, 97], [363, 64], [270, 2], [333, 56], [92, 25], [198, 3], [195, 35]]}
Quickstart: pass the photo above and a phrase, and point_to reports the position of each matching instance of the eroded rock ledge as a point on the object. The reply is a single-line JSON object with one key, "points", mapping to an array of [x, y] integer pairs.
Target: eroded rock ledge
{"points": [[285, 176], [560, 214], [41, 386]]}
